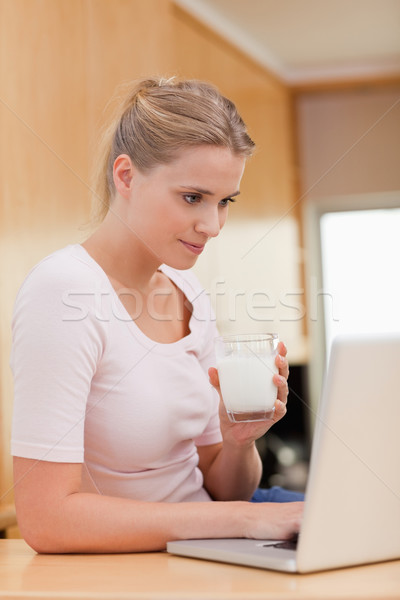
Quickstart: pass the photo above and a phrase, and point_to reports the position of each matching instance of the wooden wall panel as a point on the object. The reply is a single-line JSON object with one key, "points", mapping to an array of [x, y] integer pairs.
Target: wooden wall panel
{"points": [[44, 112], [126, 40]]}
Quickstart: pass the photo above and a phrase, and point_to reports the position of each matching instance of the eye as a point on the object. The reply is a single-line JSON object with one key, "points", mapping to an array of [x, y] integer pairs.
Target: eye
{"points": [[226, 201], [191, 198]]}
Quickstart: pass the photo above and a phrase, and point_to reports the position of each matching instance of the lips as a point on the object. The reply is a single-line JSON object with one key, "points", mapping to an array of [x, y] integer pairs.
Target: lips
{"points": [[195, 248]]}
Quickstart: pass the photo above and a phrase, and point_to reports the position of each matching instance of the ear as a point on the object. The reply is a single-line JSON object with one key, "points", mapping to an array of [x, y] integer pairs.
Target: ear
{"points": [[123, 172]]}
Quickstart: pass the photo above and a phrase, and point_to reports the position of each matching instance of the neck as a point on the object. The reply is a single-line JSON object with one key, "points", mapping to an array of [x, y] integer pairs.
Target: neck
{"points": [[122, 254]]}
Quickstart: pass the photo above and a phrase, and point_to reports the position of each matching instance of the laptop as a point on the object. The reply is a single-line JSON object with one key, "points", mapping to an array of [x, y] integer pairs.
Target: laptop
{"points": [[352, 506]]}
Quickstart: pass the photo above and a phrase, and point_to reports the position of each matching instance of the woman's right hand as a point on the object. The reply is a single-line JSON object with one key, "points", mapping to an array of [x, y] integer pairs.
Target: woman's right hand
{"points": [[272, 520]]}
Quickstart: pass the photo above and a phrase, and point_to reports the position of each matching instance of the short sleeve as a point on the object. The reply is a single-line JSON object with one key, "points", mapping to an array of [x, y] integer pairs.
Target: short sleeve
{"points": [[58, 341]]}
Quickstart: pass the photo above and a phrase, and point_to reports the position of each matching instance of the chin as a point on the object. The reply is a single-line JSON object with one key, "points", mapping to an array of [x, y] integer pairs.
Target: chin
{"points": [[181, 264]]}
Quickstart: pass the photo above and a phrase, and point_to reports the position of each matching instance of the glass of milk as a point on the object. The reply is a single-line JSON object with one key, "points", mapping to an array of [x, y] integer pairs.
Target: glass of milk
{"points": [[246, 365]]}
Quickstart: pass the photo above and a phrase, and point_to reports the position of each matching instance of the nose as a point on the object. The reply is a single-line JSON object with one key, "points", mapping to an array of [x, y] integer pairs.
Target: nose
{"points": [[211, 222]]}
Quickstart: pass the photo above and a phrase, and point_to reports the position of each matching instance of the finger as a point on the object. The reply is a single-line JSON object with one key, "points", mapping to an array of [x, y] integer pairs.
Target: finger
{"points": [[283, 388], [283, 365], [282, 349], [280, 410], [214, 378]]}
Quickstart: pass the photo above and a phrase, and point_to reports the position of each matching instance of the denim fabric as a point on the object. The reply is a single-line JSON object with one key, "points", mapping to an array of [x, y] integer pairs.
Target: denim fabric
{"points": [[276, 494]]}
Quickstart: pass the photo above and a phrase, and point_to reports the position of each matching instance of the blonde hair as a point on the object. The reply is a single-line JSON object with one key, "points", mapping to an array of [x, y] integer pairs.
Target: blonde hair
{"points": [[158, 118]]}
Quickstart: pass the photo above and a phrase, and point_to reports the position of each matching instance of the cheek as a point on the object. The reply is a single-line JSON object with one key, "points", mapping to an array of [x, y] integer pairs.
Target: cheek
{"points": [[161, 229], [173, 218]]}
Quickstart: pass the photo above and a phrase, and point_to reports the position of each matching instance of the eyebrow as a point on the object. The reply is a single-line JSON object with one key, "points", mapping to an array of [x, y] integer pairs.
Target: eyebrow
{"points": [[206, 192]]}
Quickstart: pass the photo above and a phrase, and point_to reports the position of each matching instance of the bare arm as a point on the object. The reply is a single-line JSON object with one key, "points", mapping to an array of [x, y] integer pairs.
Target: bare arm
{"points": [[230, 472], [54, 517]]}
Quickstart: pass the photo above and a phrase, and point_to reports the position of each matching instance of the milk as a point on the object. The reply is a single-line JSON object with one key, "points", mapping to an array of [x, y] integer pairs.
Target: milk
{"points": [[246, 382]]}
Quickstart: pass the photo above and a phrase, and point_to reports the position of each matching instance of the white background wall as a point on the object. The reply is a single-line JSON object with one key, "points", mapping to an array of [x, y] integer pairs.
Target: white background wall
{"points": [[252, 274]]}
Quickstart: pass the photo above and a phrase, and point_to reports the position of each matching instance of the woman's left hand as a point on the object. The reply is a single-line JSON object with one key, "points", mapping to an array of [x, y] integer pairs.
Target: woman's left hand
{"points": [[242, 434]]}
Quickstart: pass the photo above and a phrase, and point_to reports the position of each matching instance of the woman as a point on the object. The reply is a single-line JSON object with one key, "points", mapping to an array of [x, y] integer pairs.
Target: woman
{"points": [[117, 440]]}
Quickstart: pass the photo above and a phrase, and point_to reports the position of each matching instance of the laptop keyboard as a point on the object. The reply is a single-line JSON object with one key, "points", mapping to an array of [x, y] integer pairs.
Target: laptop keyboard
{"points": [[286, 545]]}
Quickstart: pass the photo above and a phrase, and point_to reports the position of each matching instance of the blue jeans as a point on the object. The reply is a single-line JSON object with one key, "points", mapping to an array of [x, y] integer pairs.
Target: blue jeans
{"points": [[276, 494]]}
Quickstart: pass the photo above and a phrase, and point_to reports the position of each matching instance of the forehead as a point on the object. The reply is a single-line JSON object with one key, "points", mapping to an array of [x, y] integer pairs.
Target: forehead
{"points": [[206, 163]]}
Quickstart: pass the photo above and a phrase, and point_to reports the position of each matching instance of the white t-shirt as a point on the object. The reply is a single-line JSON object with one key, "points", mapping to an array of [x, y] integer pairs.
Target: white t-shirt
{"points": [[91, 388]]}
